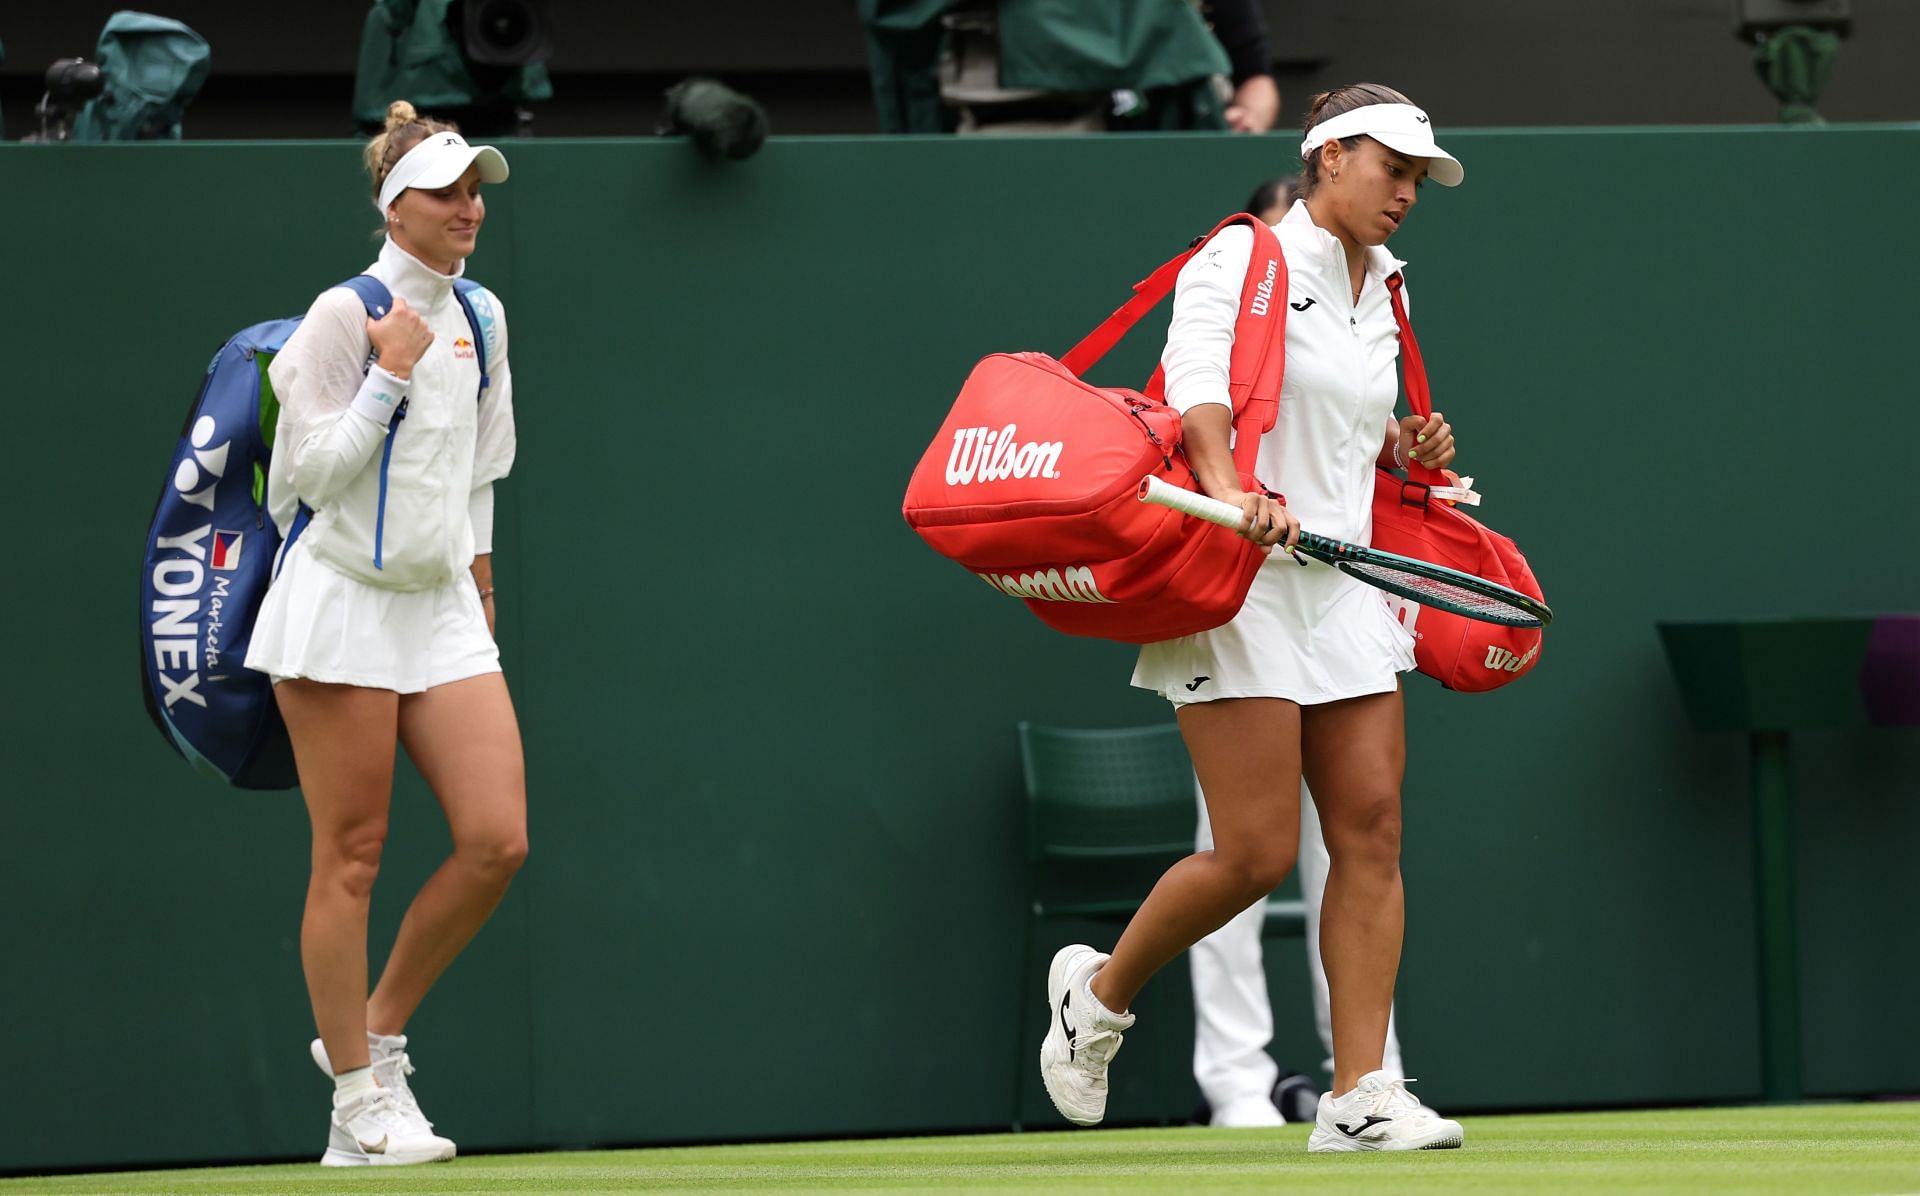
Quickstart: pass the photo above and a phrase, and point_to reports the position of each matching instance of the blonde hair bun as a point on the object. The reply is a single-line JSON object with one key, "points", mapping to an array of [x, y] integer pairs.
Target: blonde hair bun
{"points": [[405, 129]]}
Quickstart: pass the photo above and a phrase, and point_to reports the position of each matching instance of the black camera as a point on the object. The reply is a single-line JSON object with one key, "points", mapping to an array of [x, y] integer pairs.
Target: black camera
{"points": [[505, 32], [71, 84]]}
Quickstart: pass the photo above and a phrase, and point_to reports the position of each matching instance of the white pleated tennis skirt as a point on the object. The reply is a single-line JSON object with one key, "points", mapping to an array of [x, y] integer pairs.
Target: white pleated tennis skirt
{"points": [[320, 624], [1309, 635]]}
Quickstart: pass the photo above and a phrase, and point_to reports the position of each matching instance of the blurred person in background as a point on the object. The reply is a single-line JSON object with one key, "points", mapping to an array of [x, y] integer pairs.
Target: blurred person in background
{"points": [[1241, 30], [1233, 1015], [1271, 199], [1096, 65]]}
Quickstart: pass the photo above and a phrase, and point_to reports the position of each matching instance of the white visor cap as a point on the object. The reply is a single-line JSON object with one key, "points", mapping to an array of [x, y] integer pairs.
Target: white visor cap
{"points": [[1399, 127], [439, 161]]}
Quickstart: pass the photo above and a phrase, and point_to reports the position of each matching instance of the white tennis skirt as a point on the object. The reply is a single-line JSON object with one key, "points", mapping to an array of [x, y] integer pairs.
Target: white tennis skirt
{"points": [[320, 624], [1309, 635]]}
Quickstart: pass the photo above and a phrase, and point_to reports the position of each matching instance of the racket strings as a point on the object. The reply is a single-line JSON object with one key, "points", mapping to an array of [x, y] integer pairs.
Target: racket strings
{"points": [[1434, 591]]}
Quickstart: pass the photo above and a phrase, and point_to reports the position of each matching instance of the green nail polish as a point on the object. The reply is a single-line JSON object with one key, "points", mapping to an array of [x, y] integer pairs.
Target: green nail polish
{"points": [[1422, 438]]}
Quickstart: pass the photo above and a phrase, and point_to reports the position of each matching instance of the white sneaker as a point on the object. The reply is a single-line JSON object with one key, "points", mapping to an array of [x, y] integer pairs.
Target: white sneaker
{"points": [[1082, 1038], [391, 1067], [1380, 1114], [372, 1130]]}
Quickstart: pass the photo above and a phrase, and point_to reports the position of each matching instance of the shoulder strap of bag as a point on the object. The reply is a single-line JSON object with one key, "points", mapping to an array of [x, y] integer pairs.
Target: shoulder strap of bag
{"points": [[378, 299], [463, 290], [1413, 376], [373, 293], [1259, 342]]}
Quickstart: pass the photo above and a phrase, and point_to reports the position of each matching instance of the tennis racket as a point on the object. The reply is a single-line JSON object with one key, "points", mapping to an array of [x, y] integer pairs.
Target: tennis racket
{"points": [[1430, 585]]}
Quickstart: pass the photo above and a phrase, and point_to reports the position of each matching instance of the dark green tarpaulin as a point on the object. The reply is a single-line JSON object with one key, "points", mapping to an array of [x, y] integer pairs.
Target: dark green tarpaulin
{"points": [[1105, 45], [1160, 49]]}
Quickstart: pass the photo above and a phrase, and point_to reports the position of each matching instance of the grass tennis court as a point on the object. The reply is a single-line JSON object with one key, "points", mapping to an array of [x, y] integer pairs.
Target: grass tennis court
{"points": [[1818, 1149]]}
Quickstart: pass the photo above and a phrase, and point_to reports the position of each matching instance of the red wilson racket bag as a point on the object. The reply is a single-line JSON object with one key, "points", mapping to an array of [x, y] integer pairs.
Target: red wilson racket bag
{"points": [[1458, 652], [1032, 482]]}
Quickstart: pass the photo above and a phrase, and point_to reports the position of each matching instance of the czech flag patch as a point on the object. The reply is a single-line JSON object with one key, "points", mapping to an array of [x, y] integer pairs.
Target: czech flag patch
{"points": [[226, 550]]}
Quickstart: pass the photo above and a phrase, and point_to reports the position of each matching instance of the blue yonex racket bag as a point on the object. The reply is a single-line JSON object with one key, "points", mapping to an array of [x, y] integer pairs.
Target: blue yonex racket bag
{"points": [[211, 553]]}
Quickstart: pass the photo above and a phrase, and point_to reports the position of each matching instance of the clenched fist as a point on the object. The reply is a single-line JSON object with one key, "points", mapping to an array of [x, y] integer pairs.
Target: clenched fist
{"points": [[400, 338]]}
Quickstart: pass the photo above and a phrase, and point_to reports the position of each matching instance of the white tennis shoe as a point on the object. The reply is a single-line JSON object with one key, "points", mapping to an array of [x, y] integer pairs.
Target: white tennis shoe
{"points": [[1380, 1114], [373, 1131], [1082, 1037], [391, 1067]]}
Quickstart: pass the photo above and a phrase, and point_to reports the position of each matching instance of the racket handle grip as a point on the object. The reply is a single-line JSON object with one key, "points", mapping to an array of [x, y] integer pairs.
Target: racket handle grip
{"points": [[1160, 493]]}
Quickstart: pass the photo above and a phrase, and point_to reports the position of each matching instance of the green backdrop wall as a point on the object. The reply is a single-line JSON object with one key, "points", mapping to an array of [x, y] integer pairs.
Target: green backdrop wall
{"points": [[775, 815]]}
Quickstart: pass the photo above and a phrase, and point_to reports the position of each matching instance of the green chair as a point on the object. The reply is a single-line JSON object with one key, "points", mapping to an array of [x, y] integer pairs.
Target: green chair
{"points": [[1107, 811]]}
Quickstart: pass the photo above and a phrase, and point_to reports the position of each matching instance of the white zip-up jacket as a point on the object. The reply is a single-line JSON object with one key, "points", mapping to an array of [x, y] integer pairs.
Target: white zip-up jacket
{"points": [[447, 450], [1341, 381]]}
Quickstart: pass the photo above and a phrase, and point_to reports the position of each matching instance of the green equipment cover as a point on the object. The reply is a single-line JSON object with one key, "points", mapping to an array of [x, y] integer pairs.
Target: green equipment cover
{"points": [[152, 67], [409, 52]]}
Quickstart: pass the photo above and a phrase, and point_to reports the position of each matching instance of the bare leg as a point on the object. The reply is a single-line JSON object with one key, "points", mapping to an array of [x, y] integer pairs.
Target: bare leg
{"points": [[1247, 754], [343, 739], [1354, 754], [465, 740]]}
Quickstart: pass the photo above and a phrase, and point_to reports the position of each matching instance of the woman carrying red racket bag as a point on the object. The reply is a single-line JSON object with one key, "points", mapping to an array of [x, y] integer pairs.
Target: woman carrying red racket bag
{"points": [[1305, 679]]}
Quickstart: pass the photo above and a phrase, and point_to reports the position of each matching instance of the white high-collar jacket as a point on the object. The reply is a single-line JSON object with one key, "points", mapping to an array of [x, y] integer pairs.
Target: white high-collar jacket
{"points": [[448, 449], [1340, 382], [1308, 634]]}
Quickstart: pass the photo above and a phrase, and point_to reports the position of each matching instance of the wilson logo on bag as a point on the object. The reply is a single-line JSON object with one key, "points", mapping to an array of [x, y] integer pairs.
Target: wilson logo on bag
{"points": [[988, 456], [1031, 483]]}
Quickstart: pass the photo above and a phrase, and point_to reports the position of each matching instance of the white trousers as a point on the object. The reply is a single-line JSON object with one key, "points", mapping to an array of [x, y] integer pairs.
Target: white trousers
{"points": [[1233, 1019]]}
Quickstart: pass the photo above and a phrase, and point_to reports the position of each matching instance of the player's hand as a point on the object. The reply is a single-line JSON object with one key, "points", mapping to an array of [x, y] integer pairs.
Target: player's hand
{"points": [[400, 338], [1266, 521], [1428, 441]]}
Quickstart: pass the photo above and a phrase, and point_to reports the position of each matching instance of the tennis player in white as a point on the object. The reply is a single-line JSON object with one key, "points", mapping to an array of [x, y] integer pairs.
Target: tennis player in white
{"points": [[378, 629], [1304, 681]]}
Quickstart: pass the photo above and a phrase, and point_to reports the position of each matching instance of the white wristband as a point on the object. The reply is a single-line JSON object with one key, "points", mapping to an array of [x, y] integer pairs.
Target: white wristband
{"points": [[380, 396]]}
